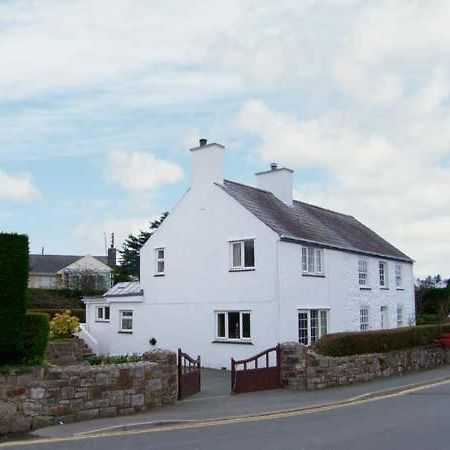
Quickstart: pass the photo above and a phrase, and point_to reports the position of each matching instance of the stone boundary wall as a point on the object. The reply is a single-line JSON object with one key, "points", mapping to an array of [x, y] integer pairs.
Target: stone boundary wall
{"points": [[303, 369], [62, 352], [42, 397]]}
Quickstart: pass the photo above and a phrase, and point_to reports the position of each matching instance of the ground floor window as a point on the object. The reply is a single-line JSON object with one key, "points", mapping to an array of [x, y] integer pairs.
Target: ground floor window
{"points": [[384, 317], [399, 315], [233, 325], [364, 318], [312, 325], [102, 314], [126, 321]]}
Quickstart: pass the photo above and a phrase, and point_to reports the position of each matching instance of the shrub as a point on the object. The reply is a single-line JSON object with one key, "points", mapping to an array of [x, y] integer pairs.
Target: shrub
{"points": [[344, 344], [37, 331], [14, 267], [119, 359], [426, 319], [56, 298], [79, 313], [64, 325]]}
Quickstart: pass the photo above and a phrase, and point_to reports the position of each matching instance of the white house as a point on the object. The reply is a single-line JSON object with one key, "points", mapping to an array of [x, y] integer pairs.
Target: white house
{"points": [[236, 269]]}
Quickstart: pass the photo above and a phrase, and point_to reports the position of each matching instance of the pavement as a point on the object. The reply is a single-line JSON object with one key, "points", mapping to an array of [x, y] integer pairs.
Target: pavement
{"points": [[215, 402]]}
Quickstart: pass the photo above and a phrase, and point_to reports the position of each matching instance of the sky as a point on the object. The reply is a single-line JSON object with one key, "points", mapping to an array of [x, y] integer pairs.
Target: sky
{"points": [[100, 101]]}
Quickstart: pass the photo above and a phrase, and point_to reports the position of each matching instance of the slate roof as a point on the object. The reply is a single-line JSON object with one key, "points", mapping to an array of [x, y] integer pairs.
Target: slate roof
{"points": [[50, 264], [305, 223], [125, 289]]}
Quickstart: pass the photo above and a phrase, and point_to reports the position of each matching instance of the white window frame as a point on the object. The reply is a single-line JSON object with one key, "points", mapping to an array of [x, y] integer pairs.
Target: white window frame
{"points": [[102, 309], [400, 316], [384, 317], [363, 269], [226, 338], [383, 274], [242, 266], [321, 314], [159, 259], [398, 275], [129, 315], [364, 318], [312, 261]]}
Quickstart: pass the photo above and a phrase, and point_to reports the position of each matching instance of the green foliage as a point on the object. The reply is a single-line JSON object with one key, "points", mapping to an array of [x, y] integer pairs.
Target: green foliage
{"points": [[56, 298], [427, 319], [14, 268], [37, 332], [130, 254], [79, 313], [433, 301], [344, 344], [64, 325], [120, 359]]}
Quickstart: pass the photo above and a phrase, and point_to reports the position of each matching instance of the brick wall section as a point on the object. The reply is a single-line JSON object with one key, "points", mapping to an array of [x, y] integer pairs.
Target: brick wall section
{"points": [[42, 397], [303, 369]]}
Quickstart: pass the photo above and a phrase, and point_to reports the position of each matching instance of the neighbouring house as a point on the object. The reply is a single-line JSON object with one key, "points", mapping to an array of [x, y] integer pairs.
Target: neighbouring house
{"points": [[87, 273], [235, 269]]}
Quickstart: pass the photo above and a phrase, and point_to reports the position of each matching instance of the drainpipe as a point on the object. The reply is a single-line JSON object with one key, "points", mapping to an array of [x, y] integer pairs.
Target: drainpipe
{"points": [[277, 291]]}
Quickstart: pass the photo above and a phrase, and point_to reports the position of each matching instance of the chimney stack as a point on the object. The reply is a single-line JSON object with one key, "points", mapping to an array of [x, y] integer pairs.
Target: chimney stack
{"points": [[279, 181], [207, 164]]}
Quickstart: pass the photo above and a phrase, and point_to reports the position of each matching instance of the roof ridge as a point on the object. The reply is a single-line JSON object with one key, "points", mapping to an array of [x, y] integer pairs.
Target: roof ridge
{"points": [[324, 209]]}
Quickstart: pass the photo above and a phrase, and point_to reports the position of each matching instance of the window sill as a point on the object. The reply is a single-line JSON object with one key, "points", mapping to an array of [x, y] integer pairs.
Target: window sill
{"points": [[384, 289], [365, 288], [232, 342], [400, 289], [250, 269], [125, 332], [313, 275], [102, 321], [159, 275]]}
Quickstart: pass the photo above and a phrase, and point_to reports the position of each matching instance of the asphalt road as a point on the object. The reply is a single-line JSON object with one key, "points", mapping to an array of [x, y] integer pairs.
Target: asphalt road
{"points": [[407, 421]]}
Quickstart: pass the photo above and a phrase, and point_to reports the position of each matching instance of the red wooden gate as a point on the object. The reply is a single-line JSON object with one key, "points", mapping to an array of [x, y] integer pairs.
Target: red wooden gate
{"points": [[188, 375], [259, 377]]}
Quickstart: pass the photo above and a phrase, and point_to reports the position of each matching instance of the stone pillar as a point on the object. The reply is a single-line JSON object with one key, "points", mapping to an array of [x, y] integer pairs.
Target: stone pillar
{"points": [[293, 366], [167, 360]]}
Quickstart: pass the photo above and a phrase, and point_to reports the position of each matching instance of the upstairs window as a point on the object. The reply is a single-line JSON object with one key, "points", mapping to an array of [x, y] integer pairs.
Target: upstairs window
{"points": [[364, 318], [243, 254], [102, 314], [363, 273], [160, 254], [383, 271], [312, 260], [398, 276], [233, 325]]}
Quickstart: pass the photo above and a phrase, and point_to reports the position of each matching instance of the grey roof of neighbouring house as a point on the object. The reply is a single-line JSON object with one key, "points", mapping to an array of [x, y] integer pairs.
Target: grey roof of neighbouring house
{"points": [[51, 264], [305, 223], [124, 289]]}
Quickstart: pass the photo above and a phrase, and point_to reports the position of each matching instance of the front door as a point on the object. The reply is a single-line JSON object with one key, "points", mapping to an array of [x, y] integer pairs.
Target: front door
{"points": [[312, 325]]}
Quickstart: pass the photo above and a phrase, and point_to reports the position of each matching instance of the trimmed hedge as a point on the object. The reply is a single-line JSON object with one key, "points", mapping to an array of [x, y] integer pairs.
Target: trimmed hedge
{"points": [[380, 341], [14, 268], [80, 313], [55, 298], [37, 332]]}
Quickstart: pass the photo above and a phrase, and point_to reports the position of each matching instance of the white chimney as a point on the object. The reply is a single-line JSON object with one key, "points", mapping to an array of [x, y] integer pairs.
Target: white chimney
{"points": [[279, 181], [207, 164]]}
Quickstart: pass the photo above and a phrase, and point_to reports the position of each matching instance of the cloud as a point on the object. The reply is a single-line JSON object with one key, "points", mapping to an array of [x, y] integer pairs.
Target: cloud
{"points": [[140, 171], [18, 188]]}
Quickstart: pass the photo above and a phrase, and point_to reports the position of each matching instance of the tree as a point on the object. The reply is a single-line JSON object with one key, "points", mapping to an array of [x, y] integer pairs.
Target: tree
{"points": [[128, 269]]}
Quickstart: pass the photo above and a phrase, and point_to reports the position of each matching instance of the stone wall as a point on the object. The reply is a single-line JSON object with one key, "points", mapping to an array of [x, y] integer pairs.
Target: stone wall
{"points": [[303, 369], [41, 397], [62, 352]]}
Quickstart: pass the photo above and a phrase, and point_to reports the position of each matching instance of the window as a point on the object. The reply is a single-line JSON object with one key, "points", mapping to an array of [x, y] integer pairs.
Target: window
{"points": [[384, 317], [399, 316], [243, 254], [363, 273], [103, 314], [398, 275], [312, 260], [364, 318], [383, 271], [233, 325], [160, 261], [312, 325], [126, 321]]}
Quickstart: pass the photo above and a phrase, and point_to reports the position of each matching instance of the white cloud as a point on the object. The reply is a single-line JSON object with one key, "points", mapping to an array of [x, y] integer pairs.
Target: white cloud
{"points": [[140, 171], [18, 188]]}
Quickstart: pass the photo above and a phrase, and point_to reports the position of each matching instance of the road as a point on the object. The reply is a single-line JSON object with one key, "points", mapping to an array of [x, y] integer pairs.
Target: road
{"points": [[412, 419]]}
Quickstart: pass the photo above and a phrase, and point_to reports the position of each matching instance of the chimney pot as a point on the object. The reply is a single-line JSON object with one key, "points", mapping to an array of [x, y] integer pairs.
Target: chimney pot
{"points": [[274, 166], [203, 142]]}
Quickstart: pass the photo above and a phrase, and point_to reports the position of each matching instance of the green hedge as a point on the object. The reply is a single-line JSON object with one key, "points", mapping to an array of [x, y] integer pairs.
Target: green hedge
{"points": [[345, 344], [37, 333], [80, 313], [14, 268], [55, 298]]}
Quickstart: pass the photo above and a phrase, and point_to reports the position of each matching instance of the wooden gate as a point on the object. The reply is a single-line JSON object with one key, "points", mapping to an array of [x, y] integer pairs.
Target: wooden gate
{"points": [[188, 375], [254, 375]]}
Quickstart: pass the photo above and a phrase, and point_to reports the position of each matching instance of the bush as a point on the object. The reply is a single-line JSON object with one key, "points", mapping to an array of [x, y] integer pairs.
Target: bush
{"points": [[344, 344], [426, 319], [120, 359], [79, 313], [55, 298], [14, 267], [37, 331], [64, 325]]}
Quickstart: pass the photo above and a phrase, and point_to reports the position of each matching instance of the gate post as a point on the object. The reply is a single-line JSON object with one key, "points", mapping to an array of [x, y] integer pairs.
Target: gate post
{"points": [[179, 374], [233, 374]]}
